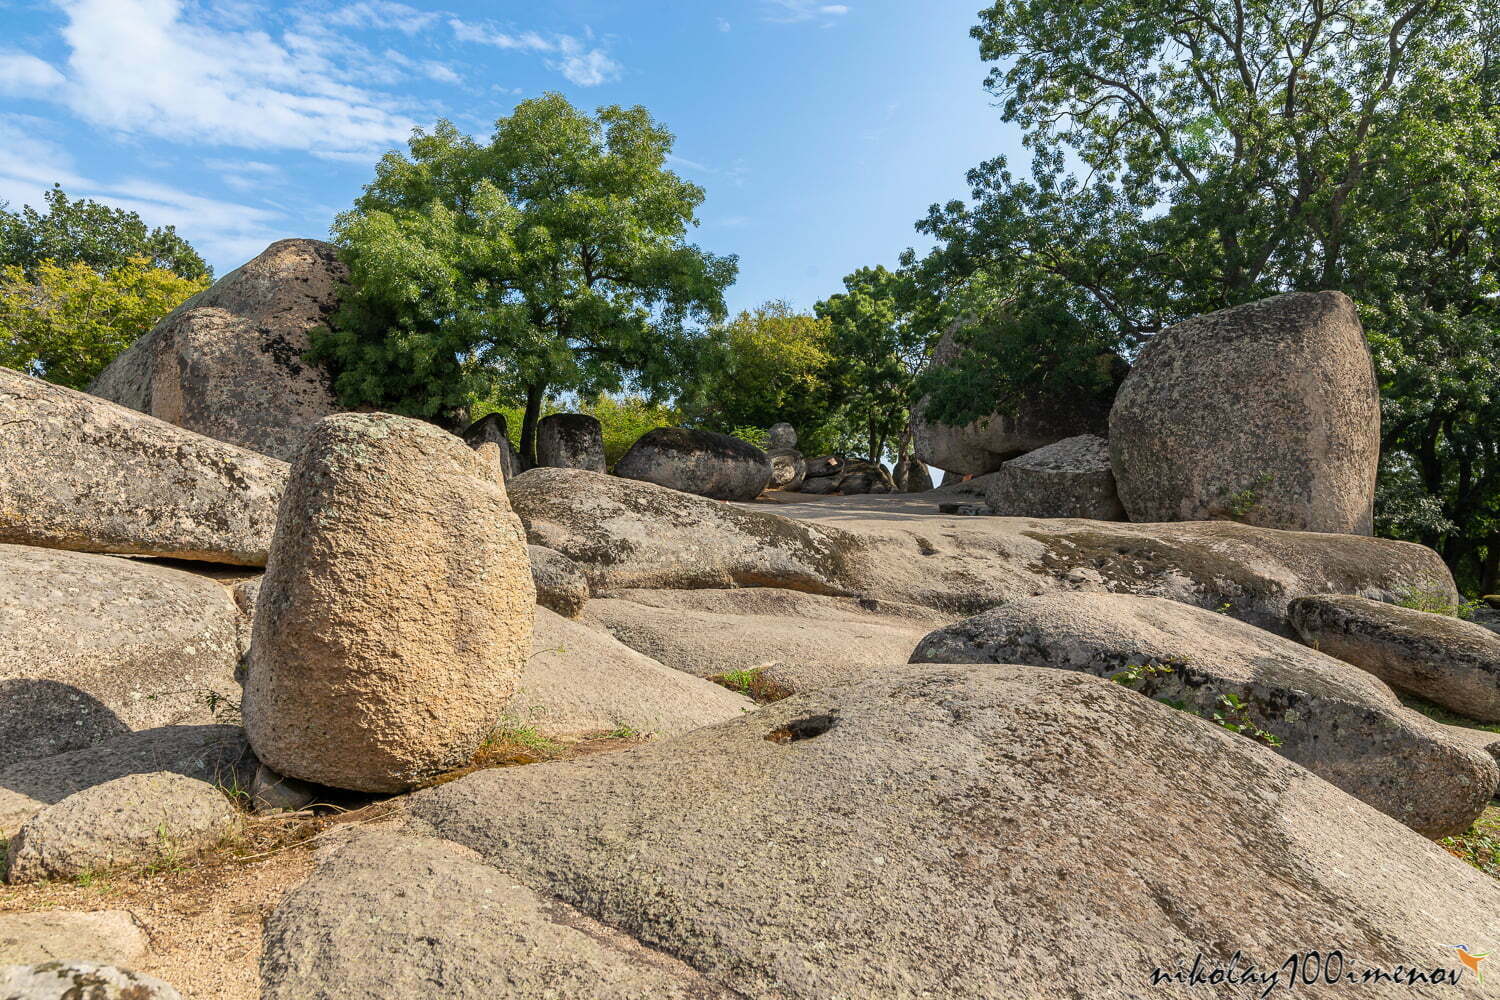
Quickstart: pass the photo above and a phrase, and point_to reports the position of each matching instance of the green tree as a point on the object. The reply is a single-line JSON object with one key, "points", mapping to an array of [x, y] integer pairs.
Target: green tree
{"points": [[82, 231], [1190, 155], [551, 259], [66, 322], [622, 419], [767, 365]]}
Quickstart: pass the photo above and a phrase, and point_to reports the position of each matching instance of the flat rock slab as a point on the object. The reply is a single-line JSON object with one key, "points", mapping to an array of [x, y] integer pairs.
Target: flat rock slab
{"points": [[78, 472], [93, 646], [108, 937], [412, 918], [1336, 720], [219, 755], [581, 680], [1445, 660], [1070, 478], [80, 981], [996, 831]]}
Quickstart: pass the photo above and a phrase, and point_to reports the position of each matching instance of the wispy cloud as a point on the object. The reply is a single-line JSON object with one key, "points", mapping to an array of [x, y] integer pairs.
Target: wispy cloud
{"points": [[795, 11], [574, 58], [24, 75], [724, 25], [381, 14]]}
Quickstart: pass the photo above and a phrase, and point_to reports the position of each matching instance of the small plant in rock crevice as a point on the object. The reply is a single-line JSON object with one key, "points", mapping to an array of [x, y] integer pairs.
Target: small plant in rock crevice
{"points": [[1238, 505], [1230, 711], [1436, 602]]}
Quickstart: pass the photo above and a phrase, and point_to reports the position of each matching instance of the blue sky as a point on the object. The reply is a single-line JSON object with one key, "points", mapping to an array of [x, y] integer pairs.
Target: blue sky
{"points": [[820, 131]]}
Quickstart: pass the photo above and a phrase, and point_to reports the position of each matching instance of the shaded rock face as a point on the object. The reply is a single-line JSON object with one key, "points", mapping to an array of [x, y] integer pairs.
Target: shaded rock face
{"points": [[788, 469], [912, 476], [1445, 660], [982, 446], [570, 441], [93, 646], [701, 462], [1266, 413], [387, 915], [1071, 478], [825, 466], [80, 981], [80, 473], [860, 477], [227, 363], [132, 820], [488, 437], [396, 610], [945, 806], [782, 435], [1338, 722], [561, 585]]}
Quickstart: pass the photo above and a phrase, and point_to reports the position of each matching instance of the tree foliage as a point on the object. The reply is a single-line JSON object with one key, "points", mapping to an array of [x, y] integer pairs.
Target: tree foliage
{"points": [[552, 258], [623, 420], [66, 322], [95, 235], [1189, 155]]}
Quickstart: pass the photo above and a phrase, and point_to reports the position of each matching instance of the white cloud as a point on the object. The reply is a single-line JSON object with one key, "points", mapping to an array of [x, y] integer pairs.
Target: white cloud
{"points": [[795, 11], [724, 25], [585, 67], [486, 34], [574, 59], [441, 73], [23, 74], [381, 14]]}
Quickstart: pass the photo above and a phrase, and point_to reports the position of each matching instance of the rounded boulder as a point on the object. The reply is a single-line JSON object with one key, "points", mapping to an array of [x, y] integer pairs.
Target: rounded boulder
{"points": [[570, 441], [702, 462]]}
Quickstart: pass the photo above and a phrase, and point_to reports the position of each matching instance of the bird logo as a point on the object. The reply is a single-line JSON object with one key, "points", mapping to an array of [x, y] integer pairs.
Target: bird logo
{"points": [[1471, 960]]}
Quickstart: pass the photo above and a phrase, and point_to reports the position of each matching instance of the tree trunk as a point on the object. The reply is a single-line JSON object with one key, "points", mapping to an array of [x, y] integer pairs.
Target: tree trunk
{"points": [[1488, 581], [534, 395], [874, 440]]}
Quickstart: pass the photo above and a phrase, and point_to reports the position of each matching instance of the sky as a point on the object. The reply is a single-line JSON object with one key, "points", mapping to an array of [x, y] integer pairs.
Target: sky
{"points": [[821, 132]]}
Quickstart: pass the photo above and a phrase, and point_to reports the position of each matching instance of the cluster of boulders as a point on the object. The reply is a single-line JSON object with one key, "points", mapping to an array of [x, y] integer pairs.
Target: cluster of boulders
{"points": [[998, 744]]}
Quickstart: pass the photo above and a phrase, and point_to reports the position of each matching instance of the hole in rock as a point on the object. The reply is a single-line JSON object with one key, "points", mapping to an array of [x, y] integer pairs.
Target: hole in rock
{"points": [[803, 729]]}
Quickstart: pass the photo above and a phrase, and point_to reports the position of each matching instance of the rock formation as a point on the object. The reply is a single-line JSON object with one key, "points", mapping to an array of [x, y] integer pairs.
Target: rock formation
{"points": [[701, 462], [570, 441], [1070, 478]]}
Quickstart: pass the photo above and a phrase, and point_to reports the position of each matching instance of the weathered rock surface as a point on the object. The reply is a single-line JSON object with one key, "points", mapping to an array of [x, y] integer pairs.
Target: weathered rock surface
{"points": [[1336, 721], [942, 808], [132, 820], [825, 466], [859, 477], [788, 469], [488, 437], [1266, 413], [561, 584], [108, 937], [570, 441], [1070, 478], [216, 754], [81, 473], [80, 981], [409, 918], [396, 610], [228, 363], [581, 680], [1445, 660], [93, 646], [912, 476], [270, 792], [782, 435], [712, 632], [701, 462], [1035, 422]]}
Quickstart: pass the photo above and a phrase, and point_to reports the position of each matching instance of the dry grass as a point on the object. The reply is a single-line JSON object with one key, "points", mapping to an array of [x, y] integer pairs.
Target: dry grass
{"points": [[1480, 844], [753, 684]]}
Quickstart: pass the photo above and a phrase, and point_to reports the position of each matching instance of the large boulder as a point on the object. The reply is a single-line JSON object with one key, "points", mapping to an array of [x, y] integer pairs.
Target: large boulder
{"points": [[701, 462], [580, 680], [80, 981], [414, 918], [133, 820], [216, 754], [859, 477], [996, 832], [488, 437], [1333, 719], [395, 614], [1266, 413], [561, 585], [1445, 660], [912, 476], [570, 441], [93, 646], [1034, 421], [1070, 478], [80, 473], [788, 469], [110, 937], [228, 362], [782, 435]]}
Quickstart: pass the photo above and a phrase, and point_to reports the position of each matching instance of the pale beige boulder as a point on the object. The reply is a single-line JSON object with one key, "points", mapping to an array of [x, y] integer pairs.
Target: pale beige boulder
{"points": [[395, 616]]}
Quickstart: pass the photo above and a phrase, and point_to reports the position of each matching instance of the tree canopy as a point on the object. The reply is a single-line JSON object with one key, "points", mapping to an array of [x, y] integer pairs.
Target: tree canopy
{"points": [[98, 236], [552, 258]]}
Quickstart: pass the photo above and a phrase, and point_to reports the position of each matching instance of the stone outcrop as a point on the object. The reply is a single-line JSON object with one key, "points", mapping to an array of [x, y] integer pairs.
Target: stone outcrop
{"points": [[701, 462], [946, 806], [75, 980], [1333, 719], [488, 437], [1036, 420], [561, 585], [1445, 660], [396, 610], [78, 472], [228, 363], [912, 476], [570, 441], [1266, 413], [109, 937], [133, 820], [1070, 478], [93, 646], [788, 469], [782, 435]]}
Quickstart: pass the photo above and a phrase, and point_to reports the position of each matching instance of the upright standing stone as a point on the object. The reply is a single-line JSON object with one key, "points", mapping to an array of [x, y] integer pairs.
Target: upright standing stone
{"points": [[570, 441], [488, 436], [228, 362], [1071, 478], [396, 612], [912, 475], [1266, 413]]}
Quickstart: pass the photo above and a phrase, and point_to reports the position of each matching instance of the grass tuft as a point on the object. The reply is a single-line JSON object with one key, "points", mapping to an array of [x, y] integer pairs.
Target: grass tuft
{"points": [[753, 684]]}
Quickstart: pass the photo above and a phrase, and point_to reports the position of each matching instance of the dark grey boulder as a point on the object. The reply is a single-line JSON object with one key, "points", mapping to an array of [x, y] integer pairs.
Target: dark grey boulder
{"points": [[788, 469], [1070, 478], [701, 462], [488, 436], [561, 585], [912, 476], [782, 435], [570, 441]]}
